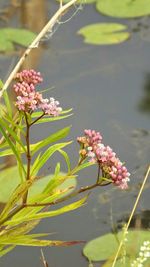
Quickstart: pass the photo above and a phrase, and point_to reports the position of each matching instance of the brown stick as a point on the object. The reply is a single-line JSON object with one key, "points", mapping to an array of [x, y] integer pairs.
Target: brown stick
{"points": [[48, 27]]}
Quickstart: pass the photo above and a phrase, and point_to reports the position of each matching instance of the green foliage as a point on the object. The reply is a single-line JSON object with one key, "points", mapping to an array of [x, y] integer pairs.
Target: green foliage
{"points": [[105, 247], [124, 9], [11, 36], [50, 139], [38, 164], [46, 214], [10, 180], [104, 33]]}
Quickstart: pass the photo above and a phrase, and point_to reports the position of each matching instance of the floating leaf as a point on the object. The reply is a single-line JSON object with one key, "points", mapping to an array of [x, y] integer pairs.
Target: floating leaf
{"points": [[124, 8], [9, 180], [105, 247], [104, 33], [11, 36]]}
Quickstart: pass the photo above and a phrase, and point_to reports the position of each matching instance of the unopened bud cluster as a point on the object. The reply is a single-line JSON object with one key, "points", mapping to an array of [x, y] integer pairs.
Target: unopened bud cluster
{"points": [[28, 99], [111, 166]]}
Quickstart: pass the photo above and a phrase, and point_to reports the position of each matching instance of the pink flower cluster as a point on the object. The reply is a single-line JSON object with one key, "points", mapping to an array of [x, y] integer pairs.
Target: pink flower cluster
{"points": [[112, 168], [28, 99]]}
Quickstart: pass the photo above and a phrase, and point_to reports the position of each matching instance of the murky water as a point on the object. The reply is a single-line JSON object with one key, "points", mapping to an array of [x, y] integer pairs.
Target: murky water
{"points": [[107, 86]]}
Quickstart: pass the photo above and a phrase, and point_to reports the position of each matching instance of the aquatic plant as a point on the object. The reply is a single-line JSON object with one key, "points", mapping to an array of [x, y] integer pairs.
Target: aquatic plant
{"points": [[23, 210]]}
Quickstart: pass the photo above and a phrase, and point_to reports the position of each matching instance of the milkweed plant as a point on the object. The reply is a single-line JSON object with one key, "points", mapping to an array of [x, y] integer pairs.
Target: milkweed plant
{"points": [[23, 211]]}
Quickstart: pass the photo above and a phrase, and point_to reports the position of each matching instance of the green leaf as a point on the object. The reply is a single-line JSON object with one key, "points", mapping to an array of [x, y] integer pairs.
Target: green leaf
{"points": [[6, 250], [12, 133], [12, 146], [51, 119], [104, 33], [124, 8], [39, 185], [27, 241], [105, 247], [39, 113], [45, 157], [16, 195], [1, 84], [7, 103], [47, 214], [66, 157], [9, 180], [83, 166], [52, 138], [11, 36], [6, 152]]}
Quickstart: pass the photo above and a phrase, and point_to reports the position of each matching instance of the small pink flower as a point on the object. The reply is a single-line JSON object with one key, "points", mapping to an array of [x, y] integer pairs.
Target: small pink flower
{"points": [[50, 107], [28, 99], [112, 168]]}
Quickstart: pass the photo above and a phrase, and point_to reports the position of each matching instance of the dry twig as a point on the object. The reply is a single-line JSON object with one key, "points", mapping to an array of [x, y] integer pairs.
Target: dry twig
{"points": [[48, 27]]}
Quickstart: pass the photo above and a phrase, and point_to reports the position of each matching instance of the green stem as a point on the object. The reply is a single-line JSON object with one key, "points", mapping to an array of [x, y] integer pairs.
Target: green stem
{"points": [[28, 155]]}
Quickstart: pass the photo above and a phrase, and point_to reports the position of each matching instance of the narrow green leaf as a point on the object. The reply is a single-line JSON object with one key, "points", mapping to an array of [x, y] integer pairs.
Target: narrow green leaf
{"points": [[41, 198], [52, 138], [48, 214], [20, 229], [66, 157], [1, 84], [14, 124], [83, 166], [57, 169], [39, 113], [22, 241], [13, 149], [51, 119], [7, 103], [6, 152], [6, 250], [15, 197], [12, 133], [57, 181], [47, 154]]}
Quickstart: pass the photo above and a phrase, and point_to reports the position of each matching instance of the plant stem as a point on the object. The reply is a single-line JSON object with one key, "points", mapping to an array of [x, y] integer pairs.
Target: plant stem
{"points": [[37, 119], [98, 174], [28, 155], [131, 215], [81, 190]]}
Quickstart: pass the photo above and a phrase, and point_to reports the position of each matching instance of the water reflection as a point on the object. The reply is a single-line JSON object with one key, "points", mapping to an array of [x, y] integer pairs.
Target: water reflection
{"points": [[144, 104], [30, 19], [139, 221]]}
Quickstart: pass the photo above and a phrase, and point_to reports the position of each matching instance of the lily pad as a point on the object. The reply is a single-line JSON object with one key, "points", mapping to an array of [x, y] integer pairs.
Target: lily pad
{"points": [[11, 36], [124, 8], [9, 179], [105, 247], [104, 33]]}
